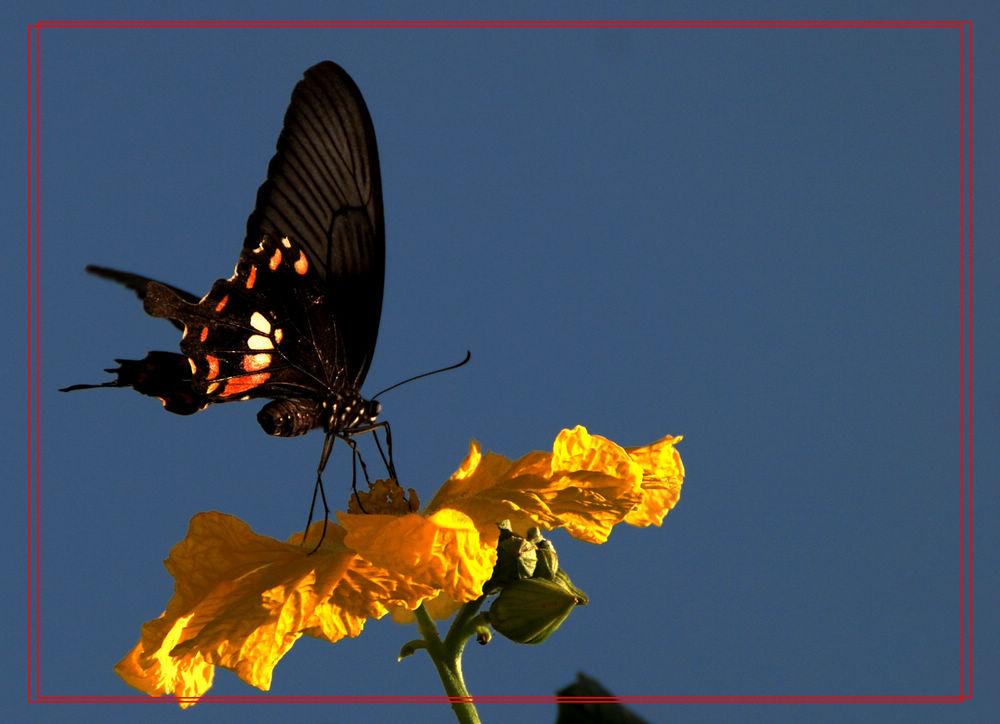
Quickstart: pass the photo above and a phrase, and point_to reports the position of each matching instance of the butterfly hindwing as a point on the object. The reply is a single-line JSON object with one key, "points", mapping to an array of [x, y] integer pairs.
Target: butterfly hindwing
{"points": [[163, 375], [264, 332]]}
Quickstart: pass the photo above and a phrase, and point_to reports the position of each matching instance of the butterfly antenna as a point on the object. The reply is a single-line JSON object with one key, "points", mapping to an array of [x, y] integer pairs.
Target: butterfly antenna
{"points": [[468, 356]]}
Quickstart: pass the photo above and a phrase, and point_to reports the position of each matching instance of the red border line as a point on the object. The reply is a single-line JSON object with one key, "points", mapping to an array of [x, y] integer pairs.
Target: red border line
{"points": [[37, 367], [965, 134], [961, 360], [31, 548], [965, 210], [968, 316], [503, 23], [511, 699]]}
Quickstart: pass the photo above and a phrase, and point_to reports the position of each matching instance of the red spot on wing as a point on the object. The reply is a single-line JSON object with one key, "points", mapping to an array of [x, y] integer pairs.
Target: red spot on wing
{"points": [[213, 367], [221, 305], [204, 334], [275, 260], [302, 264], [251, 277], [239, 385]]}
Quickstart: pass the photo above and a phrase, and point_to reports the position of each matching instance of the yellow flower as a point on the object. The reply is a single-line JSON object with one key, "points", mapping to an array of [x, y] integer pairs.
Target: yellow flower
{"points": [[241, 600]]}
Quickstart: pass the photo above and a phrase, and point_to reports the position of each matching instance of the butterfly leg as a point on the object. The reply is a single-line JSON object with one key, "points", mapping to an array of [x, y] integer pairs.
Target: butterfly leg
{"points": [[389, 466], [357, 456], [354, 471], [327, 449]]}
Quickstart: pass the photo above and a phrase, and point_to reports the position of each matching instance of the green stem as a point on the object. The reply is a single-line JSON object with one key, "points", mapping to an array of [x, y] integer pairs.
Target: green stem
{"points": [[448, 661], [464, 627]]}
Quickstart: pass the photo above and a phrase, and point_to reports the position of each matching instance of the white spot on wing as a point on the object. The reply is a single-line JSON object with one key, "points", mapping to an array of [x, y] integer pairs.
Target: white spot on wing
{"points": [[257, 341], [256, 362], [259, 322]]}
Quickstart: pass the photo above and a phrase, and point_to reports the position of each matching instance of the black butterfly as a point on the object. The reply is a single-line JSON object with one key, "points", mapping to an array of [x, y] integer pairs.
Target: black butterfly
{"points": [[298, 321]]}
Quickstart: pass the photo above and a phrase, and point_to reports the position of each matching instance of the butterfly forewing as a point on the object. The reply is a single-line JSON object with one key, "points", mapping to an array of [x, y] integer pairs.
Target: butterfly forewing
{"points": [[324, 192]]}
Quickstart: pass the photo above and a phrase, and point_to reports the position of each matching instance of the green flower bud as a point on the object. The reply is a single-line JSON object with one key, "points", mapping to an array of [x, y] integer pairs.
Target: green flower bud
{"points": [[516, 559], [562, 580], [548, 561], [529, 610]]}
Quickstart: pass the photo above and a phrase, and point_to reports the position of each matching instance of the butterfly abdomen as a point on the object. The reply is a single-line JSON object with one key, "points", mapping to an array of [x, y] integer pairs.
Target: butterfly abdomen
{"points": [[288, 418]]}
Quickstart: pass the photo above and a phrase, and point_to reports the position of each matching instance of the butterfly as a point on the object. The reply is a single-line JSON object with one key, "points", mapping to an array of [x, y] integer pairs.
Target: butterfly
{"points": [[298, 321]]}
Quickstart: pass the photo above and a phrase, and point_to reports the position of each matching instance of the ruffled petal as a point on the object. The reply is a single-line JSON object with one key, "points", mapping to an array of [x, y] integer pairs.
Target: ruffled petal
{"points": [[586, 485], [662, 477], [240, 601], [442, 552]]}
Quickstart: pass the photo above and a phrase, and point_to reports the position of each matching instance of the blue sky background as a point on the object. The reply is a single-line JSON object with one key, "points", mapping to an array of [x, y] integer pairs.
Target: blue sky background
{"points": [[749, 237]]}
